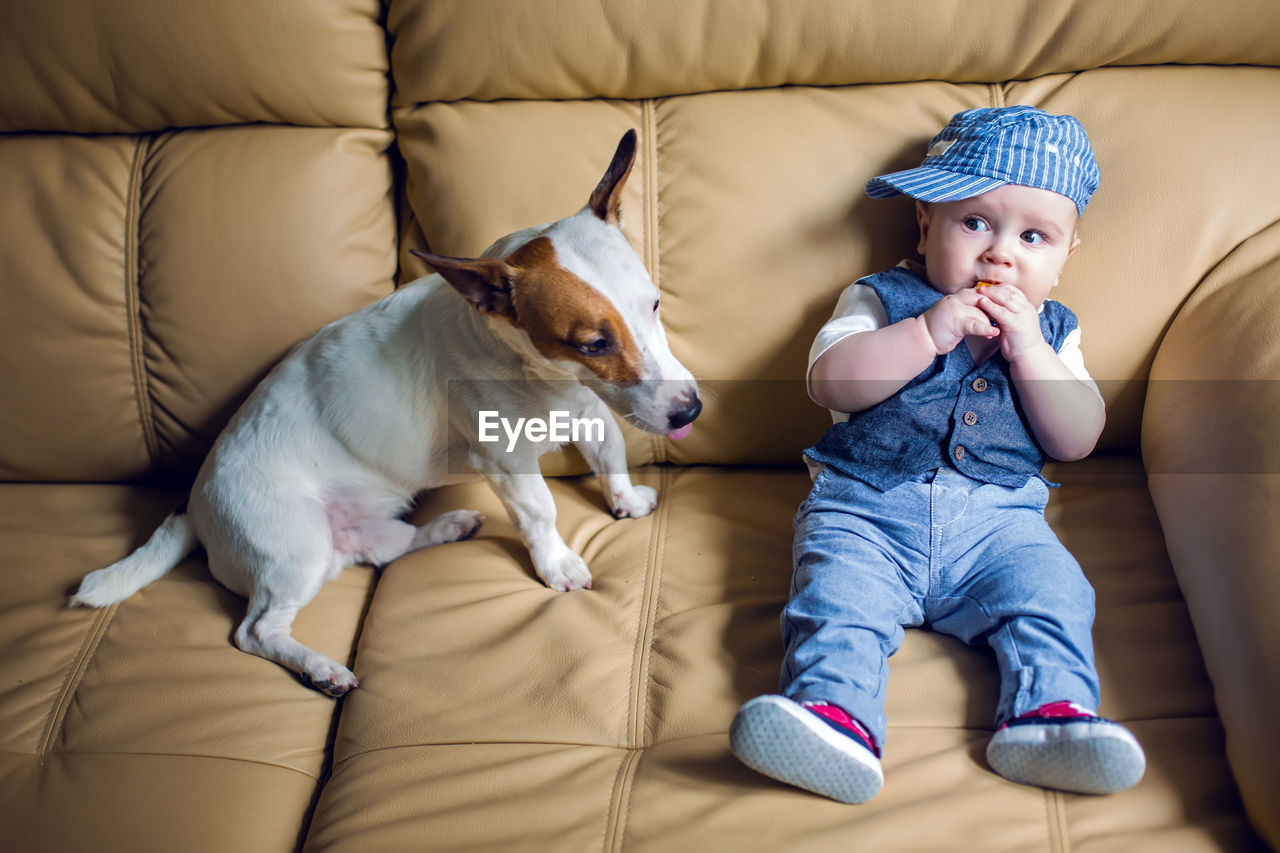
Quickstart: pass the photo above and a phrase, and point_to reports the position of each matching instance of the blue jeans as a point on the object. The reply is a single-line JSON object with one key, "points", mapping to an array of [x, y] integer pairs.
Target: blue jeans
{"points": [[969, 559]]}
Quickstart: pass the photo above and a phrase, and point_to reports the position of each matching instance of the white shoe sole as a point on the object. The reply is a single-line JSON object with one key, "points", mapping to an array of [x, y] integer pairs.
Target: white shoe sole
{"points": [[779, 738], [1093, 757]]}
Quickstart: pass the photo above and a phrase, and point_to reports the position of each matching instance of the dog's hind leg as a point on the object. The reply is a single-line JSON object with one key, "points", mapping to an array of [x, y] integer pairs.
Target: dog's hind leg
{"points": [[266, 629], [266, 632], [378, 541], [450, 527]]}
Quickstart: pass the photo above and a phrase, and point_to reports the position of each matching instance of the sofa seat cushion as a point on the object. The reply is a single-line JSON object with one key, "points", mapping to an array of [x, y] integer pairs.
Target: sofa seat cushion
{"points": [[494, 712], [149, 282], [147, 708]]}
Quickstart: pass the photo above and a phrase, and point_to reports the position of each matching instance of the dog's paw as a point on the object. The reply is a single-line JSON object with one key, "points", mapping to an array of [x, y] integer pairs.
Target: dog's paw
{"points": [[636, 503], [458, 525], [330, 678], [451, 527], [566, 573]]}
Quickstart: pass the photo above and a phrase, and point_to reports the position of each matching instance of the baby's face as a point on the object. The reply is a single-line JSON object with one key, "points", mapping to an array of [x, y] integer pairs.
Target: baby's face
{"points": [[1012, 235]]}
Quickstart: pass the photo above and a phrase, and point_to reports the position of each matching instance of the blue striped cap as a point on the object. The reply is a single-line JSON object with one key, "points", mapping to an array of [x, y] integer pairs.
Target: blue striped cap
{"points": [[983, 149]]}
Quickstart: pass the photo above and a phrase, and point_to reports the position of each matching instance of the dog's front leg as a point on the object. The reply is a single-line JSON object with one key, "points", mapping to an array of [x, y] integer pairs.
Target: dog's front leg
{"points": [[533, 511], [608, 459]]}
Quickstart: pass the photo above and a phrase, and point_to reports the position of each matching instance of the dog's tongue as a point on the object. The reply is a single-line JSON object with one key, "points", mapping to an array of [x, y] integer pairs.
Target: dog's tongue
{"points": [[680, 434]]}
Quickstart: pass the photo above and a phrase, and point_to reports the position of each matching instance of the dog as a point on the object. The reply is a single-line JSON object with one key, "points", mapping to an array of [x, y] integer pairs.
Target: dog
{"points": [[317, 468]]}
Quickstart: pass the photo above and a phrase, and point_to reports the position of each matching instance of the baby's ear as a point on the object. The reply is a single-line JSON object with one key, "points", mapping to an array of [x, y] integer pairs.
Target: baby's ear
{"points": [[1075, 241], [922, 218]]}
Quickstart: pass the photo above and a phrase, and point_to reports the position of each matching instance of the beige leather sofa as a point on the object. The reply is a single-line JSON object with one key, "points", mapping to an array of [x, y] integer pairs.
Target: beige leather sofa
{"points": [[189, 188]]}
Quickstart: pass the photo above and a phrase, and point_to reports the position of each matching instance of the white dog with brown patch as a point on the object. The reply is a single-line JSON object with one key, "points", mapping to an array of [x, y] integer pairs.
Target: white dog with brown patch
{"points": [[317, 467]]}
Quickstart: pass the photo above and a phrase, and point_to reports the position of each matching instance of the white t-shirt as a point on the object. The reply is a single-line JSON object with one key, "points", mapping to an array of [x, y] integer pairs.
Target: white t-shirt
{"points": [[859, 309]]}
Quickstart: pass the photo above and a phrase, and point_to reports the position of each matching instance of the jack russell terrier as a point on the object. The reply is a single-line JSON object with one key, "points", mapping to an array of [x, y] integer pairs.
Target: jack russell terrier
{"points": [[315, 470]]}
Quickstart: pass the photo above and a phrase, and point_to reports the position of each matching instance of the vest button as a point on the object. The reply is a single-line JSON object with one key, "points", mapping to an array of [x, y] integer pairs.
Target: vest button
{"points": [[979, 385], [970, 418], [959, 452]]}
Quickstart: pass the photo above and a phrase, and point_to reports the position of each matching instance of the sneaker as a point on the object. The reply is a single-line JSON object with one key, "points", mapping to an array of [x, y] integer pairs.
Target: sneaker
{"points": [[1067, 748], [815, 746]]}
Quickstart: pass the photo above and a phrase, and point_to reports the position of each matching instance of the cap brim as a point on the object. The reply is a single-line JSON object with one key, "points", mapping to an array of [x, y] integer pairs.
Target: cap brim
{"points": [[929, 184]]}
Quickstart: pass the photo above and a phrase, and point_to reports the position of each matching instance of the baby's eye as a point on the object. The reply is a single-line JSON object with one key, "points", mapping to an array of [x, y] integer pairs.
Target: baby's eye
{"points": [[974, 223], [1034, 238]]}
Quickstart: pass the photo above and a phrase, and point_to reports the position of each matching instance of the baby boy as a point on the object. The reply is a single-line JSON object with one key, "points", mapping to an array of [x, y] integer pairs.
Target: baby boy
{"points": [[951, 382]]}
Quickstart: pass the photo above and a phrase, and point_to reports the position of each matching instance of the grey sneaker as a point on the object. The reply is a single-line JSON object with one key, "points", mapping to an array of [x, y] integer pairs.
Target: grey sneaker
{"points": [[1064, 747], [815, 746]]}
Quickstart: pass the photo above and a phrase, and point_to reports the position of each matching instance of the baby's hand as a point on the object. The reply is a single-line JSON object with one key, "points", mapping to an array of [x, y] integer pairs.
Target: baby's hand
{"points": [[1018, 319], [955, 316]]}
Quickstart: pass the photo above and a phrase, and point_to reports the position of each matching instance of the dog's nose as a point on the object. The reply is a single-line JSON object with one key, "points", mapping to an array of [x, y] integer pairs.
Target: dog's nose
{"points": [[686, 415]]}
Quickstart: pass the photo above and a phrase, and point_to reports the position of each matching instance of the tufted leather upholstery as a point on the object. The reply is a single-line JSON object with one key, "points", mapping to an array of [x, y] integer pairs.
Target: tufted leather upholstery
{"points": [[191, 188]]}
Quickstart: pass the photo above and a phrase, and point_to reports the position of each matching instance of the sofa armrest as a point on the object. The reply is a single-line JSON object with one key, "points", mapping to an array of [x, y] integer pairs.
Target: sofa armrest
{"points": [[1211, 445]]}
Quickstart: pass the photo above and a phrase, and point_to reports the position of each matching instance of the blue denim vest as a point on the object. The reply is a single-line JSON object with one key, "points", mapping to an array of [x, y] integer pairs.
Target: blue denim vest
{"points": [[955, 412]]}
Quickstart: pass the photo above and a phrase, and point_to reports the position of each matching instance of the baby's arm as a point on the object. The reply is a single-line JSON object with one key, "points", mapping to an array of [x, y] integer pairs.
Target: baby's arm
{"points": [[1065, 413], [868, 368]]}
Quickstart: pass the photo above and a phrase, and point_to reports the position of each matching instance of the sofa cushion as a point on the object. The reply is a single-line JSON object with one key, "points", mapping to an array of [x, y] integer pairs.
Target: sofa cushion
{"points": [[1211, 443], [123, 727], [493, 711], [138, 65], [190, 190], [150, 281], [570, 49]]}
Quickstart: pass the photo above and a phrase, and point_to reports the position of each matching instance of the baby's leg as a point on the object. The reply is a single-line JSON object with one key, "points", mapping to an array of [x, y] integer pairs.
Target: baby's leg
{"points": [[1026, 596], [848, 606], [1034, 606]]}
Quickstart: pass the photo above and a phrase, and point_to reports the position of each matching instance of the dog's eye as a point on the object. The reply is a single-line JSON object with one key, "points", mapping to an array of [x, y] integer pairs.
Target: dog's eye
{"points": [[594, 347], [655, 306]]}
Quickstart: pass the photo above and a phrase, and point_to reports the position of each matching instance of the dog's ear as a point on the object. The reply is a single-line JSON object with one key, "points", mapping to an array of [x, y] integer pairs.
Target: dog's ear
{"points": [[606, 199], [484, 282]]}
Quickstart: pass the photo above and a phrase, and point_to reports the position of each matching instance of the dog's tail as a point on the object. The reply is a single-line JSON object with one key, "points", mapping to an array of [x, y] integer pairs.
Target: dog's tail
{"points": [[172, 541]]}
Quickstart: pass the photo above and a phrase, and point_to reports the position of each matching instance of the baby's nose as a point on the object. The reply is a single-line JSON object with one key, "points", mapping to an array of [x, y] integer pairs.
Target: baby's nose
{"points": [[998, 253]]}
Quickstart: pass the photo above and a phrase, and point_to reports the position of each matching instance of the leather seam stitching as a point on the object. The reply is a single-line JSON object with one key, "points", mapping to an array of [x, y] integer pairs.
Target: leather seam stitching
{"points": [[133, 298], [78, 753], [649, 620], [620, 807], [472, 742], [557, 744], [652, 239], [75, 674], [996, 92], [1059, 841], [620, 802]]}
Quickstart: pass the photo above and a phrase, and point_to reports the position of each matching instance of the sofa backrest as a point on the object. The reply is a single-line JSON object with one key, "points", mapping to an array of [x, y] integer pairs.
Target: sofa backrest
{"points": [[190, 193], [760, 123]]}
